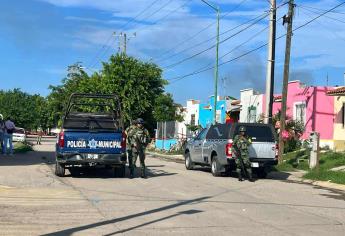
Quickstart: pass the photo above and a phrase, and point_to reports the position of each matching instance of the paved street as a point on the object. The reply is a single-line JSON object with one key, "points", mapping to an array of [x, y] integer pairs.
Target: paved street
{"points": [[172, 201]]}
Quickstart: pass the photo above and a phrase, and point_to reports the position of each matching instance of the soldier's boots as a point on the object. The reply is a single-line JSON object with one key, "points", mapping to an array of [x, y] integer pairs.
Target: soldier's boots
{"points": [[240, 176], [250, 177], [143, 174], [131, 174]]}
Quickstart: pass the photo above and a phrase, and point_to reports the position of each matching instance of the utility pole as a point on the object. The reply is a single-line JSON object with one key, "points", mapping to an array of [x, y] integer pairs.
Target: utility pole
{"points": [[216, 8], [124, 41], [271, 62], [286, 19], [216, 72]]}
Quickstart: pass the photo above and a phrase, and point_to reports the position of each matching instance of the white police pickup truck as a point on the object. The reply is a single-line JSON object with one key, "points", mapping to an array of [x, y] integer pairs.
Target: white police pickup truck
{"points": [[90, 139], [213, 147]]}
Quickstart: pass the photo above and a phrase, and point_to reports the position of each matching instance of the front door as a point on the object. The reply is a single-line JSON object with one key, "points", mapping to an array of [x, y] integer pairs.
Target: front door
{"points": [[198, 145]]}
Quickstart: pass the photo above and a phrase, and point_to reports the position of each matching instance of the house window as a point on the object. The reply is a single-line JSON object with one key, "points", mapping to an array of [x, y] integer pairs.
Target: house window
{"points": [[251, 114], [192, 119], [300, 112]]}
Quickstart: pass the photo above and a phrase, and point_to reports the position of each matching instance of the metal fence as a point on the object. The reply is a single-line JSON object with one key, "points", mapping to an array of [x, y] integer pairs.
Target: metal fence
{"points": [[171, 135], [167, 130]]}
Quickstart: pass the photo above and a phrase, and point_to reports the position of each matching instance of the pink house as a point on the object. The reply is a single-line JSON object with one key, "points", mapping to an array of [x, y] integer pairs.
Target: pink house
{"points": [[312, 106]]}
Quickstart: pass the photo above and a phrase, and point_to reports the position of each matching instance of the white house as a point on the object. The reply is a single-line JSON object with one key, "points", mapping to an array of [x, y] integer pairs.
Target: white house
{"points": [[251, 105]]}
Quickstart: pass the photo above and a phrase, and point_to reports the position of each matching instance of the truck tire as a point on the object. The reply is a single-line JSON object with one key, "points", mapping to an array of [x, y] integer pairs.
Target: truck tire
{"points": [[59, 169], [262, 173], [188, 161], [120, 171], [215, 166]]}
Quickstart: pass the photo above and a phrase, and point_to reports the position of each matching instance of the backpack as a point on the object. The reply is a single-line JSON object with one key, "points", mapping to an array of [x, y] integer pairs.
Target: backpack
{"points": [[10, 131]]}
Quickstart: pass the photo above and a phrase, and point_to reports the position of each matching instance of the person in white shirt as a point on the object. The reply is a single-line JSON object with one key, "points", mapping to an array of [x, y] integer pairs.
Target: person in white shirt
{"points": [[8, 135]]}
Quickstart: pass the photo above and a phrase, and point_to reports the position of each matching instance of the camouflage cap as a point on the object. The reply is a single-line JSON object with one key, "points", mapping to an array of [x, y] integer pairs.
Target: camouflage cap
{"points": [[242, 129], [140, 121]]}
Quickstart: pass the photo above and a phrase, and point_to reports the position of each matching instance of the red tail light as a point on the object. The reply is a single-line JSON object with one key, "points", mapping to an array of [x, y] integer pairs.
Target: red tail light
{"points": [[61, 140], [228, 150], [123, 141], [277, 151]]}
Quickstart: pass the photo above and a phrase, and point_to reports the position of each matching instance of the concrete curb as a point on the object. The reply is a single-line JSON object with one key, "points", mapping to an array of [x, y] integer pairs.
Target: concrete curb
{"points": [[324, 184], [175, 158]]}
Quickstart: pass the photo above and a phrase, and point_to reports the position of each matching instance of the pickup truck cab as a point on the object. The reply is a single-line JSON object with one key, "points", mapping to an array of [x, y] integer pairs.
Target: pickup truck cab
{"points": [[89, 139], [213, 147]]}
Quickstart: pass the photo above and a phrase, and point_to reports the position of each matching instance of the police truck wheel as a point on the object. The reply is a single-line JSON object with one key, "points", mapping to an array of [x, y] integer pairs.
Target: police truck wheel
{"points": [[215, 167], [59, 170], [188, 162]]}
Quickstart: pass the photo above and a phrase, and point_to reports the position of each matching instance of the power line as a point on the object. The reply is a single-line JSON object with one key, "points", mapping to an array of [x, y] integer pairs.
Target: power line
{"points": [[140, 13], [232, 50], [325, 26], [257, 48], [222, 41], [163, 6], [200, 31], [329, 17], [165, 16], [94, 60], [257, 19], [321, 10], [155, 12], [158, 10], [209, 39], [223, 63]]}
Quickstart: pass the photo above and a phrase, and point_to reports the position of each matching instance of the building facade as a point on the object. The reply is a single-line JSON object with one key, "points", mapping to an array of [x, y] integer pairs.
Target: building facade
{"points": [[251, 106], [313, 106], [339, 118]]}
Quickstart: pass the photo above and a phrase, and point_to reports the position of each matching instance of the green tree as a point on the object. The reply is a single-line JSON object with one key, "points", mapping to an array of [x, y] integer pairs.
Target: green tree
{"points": [[165, 109], [139, 86], [27, 111]]}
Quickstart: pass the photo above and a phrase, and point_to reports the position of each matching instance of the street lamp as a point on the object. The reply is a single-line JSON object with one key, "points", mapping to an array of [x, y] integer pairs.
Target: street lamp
{"points": [[216, 8]]}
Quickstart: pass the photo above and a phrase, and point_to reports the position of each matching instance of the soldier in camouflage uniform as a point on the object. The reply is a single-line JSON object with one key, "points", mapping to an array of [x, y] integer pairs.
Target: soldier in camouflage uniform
{"points": [[129, 146], [140, 139], [241, 145]]}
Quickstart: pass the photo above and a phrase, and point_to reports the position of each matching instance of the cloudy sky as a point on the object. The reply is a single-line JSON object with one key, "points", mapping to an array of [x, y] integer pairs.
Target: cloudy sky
{"points": [[40, 38]]}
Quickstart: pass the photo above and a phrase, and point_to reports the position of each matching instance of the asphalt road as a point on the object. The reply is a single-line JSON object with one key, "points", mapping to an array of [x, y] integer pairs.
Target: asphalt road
{"points": [[172, 201]]}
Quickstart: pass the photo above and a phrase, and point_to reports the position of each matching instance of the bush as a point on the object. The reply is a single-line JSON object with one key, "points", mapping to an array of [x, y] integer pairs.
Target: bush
{"points": [[292, 145]]}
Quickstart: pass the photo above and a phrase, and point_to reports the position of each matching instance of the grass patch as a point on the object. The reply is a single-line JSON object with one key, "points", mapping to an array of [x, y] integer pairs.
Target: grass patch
{"points": [[337, 177], [299, 161], [292, 161], [328, 161], [20, 147]]}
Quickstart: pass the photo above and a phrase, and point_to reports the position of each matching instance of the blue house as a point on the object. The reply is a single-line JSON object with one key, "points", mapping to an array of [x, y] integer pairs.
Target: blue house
{"points": [[206, 111], [196, 113]]}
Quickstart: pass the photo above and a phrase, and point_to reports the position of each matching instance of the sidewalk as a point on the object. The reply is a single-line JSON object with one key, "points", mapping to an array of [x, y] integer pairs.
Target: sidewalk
{"points": [[293, 176]]}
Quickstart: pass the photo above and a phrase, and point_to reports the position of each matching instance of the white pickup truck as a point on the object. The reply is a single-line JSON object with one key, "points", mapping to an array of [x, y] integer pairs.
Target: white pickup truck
{"points": [[213, 147]]}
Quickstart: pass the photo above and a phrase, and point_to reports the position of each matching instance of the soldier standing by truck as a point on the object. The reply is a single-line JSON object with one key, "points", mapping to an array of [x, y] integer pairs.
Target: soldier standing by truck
{"points": [[140, 138], [241, 145], [129, 147]]}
